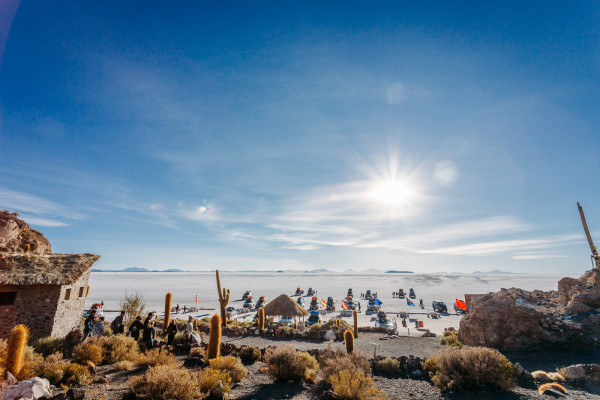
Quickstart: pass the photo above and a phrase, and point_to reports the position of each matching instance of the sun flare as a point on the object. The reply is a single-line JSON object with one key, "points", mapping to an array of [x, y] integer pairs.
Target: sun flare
{"points": [[393, 192]]}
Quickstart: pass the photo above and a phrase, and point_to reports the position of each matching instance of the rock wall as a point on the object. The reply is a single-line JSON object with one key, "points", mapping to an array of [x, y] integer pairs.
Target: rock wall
{"points": [[519, 319], [34, 307], [16, 234], [68, 313]]}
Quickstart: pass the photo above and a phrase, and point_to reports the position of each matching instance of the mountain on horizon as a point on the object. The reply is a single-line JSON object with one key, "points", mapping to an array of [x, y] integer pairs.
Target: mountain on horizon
{"points": [[494, 271], [136, 269]]}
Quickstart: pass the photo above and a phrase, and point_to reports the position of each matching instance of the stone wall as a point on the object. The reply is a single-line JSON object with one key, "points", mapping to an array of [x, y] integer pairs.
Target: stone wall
{"points": [[34, 307], [69, 312]]}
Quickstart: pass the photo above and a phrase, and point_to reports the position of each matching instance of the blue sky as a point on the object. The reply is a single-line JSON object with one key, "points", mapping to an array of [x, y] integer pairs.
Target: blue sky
{"points": [[432, 137]]}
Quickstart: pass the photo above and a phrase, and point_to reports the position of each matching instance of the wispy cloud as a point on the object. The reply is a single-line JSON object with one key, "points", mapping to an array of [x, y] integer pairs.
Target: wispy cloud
{"points": [[43, 212]]}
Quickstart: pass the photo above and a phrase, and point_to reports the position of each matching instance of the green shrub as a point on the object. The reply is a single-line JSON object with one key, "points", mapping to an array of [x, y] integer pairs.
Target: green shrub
{"points": [[460, 368], [287, 364], [350, 385], [315, 328], [450, 338], [49, 345]]}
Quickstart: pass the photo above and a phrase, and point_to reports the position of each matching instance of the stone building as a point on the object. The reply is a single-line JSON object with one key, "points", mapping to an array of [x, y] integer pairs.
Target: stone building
{"points": [[46, 292]]}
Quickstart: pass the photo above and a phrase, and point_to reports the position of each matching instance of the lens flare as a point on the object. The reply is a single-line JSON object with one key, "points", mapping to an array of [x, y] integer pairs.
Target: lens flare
{"points": [[391, 192]]}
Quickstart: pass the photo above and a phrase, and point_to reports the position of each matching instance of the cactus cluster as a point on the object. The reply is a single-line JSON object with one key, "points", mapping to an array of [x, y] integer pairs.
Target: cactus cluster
{"points": [[214, 338], [224, 295], [349, 341], [167, 311], [261, 318], [15, 349], [355, 315]]}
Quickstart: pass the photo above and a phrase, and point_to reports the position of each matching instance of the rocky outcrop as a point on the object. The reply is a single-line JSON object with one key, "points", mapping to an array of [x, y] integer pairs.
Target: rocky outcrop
{"points": [[16, 236], [520, 319]]}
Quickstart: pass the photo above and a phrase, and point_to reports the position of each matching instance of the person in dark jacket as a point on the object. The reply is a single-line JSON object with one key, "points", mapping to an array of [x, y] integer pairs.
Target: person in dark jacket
{"points": [[88, 325], [171, 332], [148, 318], [117, 325], [148, 335], [136, 328]]}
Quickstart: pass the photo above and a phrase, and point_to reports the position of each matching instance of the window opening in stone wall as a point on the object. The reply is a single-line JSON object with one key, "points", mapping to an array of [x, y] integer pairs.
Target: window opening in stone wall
{"points": [[68, 294], [81, 291], [8, 298]]}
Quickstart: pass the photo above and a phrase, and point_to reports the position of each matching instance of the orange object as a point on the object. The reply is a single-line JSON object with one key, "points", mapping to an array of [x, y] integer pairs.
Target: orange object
{"points": [[323, 303], [420, 324], [344, 304], [461, 304]]}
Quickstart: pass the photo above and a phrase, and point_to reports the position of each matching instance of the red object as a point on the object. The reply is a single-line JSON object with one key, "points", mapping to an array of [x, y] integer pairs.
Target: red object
{"points": [[344, 304], [461, 304], [196, 299], [420, 324], [323, 303]]}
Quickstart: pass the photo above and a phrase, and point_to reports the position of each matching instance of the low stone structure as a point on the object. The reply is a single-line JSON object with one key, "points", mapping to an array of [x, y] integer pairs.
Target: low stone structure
{"points": [[40, 289], [521, 319]]}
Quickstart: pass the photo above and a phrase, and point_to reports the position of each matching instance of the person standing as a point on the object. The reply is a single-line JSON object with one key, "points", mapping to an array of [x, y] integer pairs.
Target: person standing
{"points": [[177, 309], [136, 328], [117, 325], [184, 309], [148, 335], [98, 327], [88, 325], [171, 332], [189, 329], [148, 318]]}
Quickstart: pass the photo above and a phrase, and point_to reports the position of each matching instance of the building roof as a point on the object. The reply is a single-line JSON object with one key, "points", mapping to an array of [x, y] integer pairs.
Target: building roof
{"points": [[17, 269], [285, 306]]}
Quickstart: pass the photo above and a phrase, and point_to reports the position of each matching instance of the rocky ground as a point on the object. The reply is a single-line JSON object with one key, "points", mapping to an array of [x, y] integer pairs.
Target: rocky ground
{"points": [[257, 385]]}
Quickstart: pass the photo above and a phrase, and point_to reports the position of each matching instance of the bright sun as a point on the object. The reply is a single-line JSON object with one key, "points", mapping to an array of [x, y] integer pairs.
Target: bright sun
{"points": [[391, 192]]}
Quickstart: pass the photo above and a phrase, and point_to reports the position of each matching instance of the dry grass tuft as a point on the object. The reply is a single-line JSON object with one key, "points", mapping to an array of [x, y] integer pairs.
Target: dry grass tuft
{"points": [[287, 364], [125, 365], [541, 376], [450, 338], [77, 374], [556, 376], [349, 385], [249, 355], [50, 345], [168, 382], [552, 385], [209, 379], [233, 366], [388, 366], [197, 352], [118, 348], [155, 357], [334, 362], [460, 368], [90, 350]]}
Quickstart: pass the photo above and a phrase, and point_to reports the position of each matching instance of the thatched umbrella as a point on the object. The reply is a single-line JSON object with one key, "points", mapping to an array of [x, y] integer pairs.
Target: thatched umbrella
{"points": [[286, 307]]}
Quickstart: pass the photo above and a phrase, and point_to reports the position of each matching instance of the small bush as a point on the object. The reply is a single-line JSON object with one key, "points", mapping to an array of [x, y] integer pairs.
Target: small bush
{"points": [[315, 328], [124, 365], [118, 348], [155, 357], [134, 305], [349, 385], [197, 352], [388, 366], [209, 379], [356, 363], [49, 345], [287, 364], [552, 385], [466, 367], [233, 366], [249, 355], [168, 382], [77, 374], [53, 368], [90, 350], [450, 338]]}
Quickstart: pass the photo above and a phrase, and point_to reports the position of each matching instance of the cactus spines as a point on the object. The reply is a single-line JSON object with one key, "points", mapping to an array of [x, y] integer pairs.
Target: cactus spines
{"points": [[224, 295], [15, 349], [214, 337], [349, 341], [355, 316], [167, 311], [261, 318]]}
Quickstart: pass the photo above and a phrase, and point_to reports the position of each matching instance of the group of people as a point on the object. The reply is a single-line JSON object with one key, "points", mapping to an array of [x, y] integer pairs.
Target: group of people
{"points": [[143, 332]]}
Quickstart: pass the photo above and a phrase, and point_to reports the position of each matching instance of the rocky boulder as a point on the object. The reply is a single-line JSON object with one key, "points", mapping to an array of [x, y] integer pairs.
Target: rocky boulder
{"points": [[16, 236], [519, 319]]}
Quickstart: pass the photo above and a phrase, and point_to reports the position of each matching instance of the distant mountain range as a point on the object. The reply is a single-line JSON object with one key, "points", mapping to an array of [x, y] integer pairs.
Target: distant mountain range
{"points": [[398, 272], [494, 271], [137, 269]]}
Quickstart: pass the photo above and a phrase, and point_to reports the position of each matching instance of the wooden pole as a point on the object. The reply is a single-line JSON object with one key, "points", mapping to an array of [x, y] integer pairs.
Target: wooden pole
{"points": [[589, 237]]}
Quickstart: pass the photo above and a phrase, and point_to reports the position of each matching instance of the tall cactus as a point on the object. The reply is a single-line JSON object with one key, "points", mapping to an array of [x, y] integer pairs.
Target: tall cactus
{"points": [[261, 318], [214, 337], [355, 316], [349, 341], [15, 349], [167, 311], [224, 296]]}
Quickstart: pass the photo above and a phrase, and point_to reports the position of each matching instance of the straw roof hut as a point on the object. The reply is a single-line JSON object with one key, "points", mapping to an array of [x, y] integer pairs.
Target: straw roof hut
{"points": [[286, 307]]}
